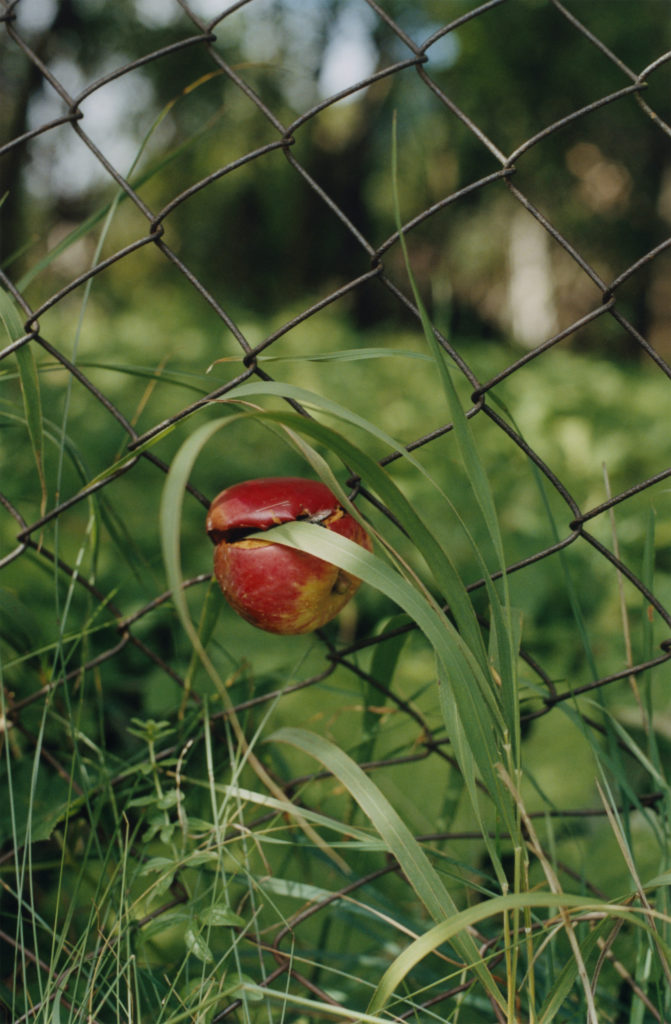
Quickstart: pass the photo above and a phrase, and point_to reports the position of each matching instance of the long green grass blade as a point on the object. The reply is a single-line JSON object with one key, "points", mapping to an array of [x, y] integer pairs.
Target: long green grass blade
{"points": [[383, 665], [503, 630], [469, 452], [497, 905], [347, 355], [401, 843], [285, 807], [170, 518], [30, 386]]}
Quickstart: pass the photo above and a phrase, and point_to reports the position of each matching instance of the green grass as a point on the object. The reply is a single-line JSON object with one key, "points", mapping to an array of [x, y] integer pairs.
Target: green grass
{"points": [[240, 818], [152, 866]]}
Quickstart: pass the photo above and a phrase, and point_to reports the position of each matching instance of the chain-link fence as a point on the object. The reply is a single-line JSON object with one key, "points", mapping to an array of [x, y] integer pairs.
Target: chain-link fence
{"points": [[498, 250]]}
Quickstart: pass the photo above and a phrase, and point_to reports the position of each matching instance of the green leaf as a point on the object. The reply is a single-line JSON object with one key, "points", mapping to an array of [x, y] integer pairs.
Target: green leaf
{"points": [[221, 917], [35, 816], [164, 922], [197, 945], [658, 880], [469, 453], [149, 800], [169, 799], [452, 714], [158, 864], [167, 831], [195, 860]]}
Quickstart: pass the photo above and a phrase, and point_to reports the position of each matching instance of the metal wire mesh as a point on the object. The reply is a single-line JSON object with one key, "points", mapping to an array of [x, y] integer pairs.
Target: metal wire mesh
{"points": [[370, 273]]}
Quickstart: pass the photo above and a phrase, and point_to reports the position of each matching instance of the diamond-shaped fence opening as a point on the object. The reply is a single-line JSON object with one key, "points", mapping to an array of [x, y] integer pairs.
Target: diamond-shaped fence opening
{"points": [[197, 197]]}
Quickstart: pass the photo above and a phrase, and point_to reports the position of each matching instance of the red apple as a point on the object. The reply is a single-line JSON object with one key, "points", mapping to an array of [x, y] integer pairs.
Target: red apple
{"points": [[271, 585]]}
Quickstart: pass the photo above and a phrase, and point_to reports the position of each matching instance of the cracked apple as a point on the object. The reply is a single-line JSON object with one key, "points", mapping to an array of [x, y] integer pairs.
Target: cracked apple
{"points": [[275, 587]]}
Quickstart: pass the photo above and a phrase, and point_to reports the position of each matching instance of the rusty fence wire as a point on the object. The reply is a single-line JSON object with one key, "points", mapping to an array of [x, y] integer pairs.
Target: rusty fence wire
{"points": [[37, 60]]}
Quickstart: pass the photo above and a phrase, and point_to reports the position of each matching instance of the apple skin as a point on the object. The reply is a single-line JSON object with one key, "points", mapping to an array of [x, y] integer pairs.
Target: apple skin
{"points": [[275, 587]]}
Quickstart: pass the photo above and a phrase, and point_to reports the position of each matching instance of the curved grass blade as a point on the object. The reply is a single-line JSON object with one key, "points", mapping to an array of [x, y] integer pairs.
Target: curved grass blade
{"points": [[469, 452], [400, 841], [445, 931], [170, 518]]}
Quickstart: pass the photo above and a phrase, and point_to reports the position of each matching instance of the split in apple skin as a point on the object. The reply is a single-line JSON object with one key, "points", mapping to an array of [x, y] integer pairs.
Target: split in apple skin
{"points": [[275, 587]]}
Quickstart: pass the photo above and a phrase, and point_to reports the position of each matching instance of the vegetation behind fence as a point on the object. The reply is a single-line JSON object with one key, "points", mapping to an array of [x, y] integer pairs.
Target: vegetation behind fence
{"points": [[421, 250]]}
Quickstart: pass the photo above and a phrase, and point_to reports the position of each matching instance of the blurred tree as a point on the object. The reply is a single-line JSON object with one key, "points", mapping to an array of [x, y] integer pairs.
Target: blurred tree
{"points": [[513, 70]]}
